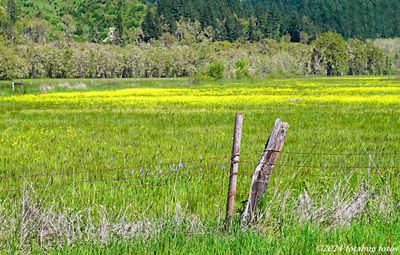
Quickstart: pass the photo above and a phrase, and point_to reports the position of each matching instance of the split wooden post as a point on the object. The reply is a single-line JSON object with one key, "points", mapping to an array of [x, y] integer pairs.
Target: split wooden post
{"points": [[263, 172], [237, 138]]}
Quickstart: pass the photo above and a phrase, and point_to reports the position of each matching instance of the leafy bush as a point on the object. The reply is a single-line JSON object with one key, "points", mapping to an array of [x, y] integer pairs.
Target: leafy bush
{"points": [[11, 65], [331, 50], [216, 70], [242, 69]]}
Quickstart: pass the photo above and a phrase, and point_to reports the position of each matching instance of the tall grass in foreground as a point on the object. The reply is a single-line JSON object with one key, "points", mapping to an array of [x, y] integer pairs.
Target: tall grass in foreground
{"points": [[286, 223]]}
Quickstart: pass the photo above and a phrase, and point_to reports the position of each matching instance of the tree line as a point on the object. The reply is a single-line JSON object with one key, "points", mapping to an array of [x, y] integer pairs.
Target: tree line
{"points": [[122, 22], [330, 54]]}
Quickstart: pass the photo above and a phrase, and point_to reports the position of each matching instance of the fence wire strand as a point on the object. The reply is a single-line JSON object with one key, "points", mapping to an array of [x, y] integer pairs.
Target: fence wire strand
{"points": [[156, 172]]}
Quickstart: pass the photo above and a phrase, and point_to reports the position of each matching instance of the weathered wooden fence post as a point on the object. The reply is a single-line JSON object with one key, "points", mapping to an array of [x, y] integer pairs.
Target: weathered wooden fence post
{"points": [[237, 138], [263, 172]]}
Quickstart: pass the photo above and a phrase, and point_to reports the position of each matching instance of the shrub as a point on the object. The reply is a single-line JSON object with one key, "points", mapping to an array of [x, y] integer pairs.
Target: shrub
{"points": [[216, 70], [331, 50], [11, 65], [242, 69]]}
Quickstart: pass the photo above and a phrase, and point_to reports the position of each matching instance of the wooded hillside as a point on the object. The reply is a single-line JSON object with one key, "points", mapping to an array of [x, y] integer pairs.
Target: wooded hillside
{"points": [[127, 21]]}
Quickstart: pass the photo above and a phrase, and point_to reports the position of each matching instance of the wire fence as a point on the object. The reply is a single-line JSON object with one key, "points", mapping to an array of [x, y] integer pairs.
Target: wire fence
{"points": [[320, 153], [177, 169], [222, 161], [153, 174], [143, 170]]}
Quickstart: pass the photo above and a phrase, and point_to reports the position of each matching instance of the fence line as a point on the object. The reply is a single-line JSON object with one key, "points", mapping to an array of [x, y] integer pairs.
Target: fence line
{"points": [[145, 167], [335, 175], [278, 174], [340, 154], [157, 176], [181, 166], [92, 181], [59, 186], [392, 167], [319, 153]]}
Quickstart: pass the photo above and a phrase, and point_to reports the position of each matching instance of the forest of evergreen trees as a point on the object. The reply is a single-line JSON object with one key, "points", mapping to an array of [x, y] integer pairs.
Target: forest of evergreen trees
{"points": [[303, 20], [124, 22]]}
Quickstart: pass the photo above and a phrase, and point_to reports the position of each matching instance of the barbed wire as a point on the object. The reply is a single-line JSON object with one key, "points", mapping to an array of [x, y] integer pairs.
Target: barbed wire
{"points": [[335, 175], [201, 164], [278, 174], [319, 153], [326, 166], [174, 167], [143, 168], [148, 177], [158, 178], [59, 186]]}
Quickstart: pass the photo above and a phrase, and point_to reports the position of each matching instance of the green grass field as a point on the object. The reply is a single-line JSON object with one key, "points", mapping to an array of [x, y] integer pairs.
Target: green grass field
{"points": [[142, 166]]}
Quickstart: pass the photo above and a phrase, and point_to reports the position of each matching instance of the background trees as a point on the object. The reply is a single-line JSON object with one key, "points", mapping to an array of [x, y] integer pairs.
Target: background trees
{"points": [[328, 55], [3, 23], [11, 64], [331, 50], [84, 20], [151, 26], [254, 20], [365, 58], [175, 38]]}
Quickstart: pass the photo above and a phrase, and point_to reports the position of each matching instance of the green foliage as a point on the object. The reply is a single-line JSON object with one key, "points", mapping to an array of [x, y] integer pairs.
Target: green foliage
{"points": [[3, 23], [169, 57], [230, 20], [352, 18], [12, 11], [365, 58], [375, 59], [216, 70], [242, 69], [84, 20], [331, 50], [11, 65], [233, 28], [34, 30], [358, 57], [151, 26]]}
